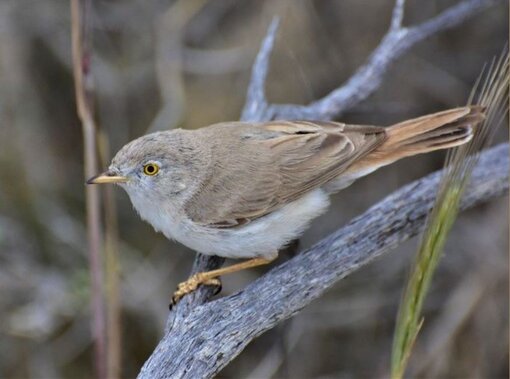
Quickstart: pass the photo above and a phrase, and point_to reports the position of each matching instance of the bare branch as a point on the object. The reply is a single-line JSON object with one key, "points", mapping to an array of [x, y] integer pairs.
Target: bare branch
{"points": [[368, 78], [397, 15], [256, 103], [201, 343]]}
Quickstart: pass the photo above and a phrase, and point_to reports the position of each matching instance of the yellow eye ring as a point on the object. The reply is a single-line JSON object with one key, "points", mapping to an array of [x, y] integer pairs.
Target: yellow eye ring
{"points": [[150, 169]]}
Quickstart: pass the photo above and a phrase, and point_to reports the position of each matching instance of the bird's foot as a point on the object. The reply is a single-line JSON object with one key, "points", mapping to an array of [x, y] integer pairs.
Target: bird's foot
{"points": [[192, 284]]}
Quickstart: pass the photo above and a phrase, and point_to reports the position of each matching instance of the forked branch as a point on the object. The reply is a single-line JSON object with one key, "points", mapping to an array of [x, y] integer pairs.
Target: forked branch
{"points": [[397, 41]]}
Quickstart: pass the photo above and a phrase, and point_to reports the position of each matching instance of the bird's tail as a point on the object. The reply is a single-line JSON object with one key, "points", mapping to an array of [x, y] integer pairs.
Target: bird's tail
{"points": [[435, 131], [442, 130]]}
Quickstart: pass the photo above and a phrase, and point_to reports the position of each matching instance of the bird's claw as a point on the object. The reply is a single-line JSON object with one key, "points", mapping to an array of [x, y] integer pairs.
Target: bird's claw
{"points": [[192, 284]]}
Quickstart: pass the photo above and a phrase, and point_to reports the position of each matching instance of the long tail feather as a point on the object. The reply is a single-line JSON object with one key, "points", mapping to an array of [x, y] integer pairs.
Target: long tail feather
{"points": [[437, 131]]}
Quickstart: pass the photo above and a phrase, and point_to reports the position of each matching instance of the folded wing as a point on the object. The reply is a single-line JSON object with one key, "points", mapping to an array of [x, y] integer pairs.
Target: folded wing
{"points": [[274, 164]]}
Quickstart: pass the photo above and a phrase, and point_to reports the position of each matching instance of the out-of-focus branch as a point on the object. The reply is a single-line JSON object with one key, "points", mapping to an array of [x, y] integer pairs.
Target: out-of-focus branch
{"points": [[256, 104], [169, 61], [202, 342], [83, 90], [214, 62], [397, 41]]}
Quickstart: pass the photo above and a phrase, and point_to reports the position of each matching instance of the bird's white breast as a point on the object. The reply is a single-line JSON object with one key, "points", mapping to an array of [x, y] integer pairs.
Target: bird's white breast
{"points": [[260, 238]]}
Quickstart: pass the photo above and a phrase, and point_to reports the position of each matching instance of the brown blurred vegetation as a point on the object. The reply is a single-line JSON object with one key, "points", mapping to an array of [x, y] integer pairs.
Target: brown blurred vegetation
{"points": [[161, 64]]}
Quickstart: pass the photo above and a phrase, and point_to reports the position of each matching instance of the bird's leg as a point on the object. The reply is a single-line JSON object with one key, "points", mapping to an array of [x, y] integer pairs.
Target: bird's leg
{"points": [[211, 277]]}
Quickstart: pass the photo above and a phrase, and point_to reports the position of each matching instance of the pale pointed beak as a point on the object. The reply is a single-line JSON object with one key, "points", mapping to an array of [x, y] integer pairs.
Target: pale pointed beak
{"points": [[107, 177]]}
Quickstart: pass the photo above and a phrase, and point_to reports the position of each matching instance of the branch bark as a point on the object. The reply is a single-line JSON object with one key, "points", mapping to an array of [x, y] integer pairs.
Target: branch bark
{"points": [[200, 340]]}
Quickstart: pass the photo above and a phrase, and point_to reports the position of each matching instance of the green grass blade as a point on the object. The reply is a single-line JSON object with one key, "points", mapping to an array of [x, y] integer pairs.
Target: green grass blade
{"points": [[459, 165]]}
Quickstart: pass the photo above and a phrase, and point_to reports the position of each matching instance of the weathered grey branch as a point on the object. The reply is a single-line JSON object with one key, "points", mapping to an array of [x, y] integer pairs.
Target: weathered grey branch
{"points": [[200, 343], [397, 41], [256, 104], [200, 339]]}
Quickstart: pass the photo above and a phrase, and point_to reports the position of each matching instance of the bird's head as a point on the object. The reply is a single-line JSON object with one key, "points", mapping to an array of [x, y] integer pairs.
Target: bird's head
{"points": [[157, 167]]}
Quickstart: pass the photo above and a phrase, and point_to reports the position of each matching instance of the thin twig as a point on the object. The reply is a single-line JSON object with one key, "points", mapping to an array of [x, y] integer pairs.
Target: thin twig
{"points": [[82, 79], [256, 103], [398, 15]]}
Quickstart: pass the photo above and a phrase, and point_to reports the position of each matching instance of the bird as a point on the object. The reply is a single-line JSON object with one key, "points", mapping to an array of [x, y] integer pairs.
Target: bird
{"points": [[245, 190]]}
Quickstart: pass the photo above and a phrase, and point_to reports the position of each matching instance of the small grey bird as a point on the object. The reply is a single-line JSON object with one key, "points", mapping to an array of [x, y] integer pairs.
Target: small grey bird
{"points": [[245, 190]]}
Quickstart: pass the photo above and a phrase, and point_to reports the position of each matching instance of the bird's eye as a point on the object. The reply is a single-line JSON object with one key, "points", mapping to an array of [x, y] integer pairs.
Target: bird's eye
{"points": [[150, 169]]}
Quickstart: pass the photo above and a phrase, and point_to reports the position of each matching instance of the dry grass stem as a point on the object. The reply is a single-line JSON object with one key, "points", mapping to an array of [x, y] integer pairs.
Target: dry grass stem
{"points": [[112, 271], [82, 79]]}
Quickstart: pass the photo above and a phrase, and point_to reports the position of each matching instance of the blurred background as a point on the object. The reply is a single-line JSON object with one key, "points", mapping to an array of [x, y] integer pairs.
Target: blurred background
{"points": [[164, 64]]}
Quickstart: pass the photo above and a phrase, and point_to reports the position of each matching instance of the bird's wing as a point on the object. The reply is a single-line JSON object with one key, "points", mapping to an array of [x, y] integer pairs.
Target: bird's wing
{"points": [[272, 164]]}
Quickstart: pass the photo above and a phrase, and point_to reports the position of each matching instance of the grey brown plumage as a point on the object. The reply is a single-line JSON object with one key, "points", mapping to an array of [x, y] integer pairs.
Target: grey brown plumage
{"points": [[278, 162]]}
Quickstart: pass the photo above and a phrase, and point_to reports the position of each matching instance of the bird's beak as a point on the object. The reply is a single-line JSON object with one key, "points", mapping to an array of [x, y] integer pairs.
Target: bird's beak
{"points": [[107, 177]]}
